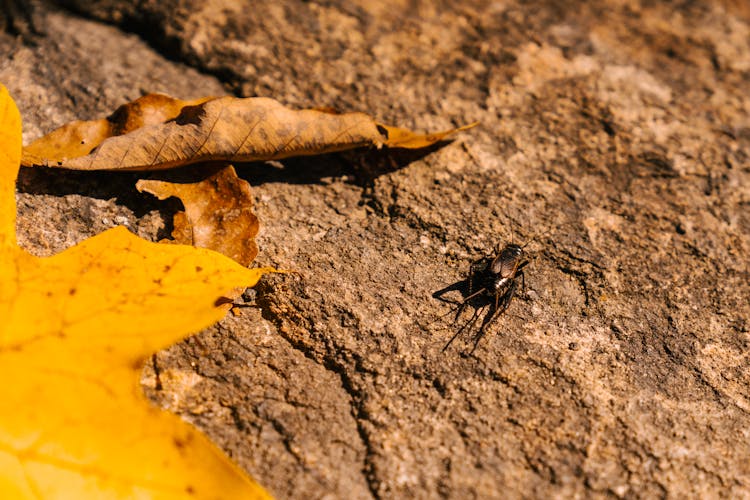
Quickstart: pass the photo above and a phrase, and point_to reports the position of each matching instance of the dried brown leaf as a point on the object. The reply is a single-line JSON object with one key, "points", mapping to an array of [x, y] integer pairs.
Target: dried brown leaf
{"points": [[224, 129], [218, 211]]}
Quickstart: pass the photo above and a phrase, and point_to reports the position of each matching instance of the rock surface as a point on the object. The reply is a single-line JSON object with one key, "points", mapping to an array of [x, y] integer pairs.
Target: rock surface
{"points": [[615, 143]]}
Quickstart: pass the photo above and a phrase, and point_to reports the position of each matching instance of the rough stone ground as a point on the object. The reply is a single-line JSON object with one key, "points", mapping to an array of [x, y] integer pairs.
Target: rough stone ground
{"points": [[615, 138]]}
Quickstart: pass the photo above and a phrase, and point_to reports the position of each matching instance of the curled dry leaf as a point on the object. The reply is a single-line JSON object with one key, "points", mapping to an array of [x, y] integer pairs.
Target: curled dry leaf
{"points": [[74, 331], [218, 211], [225, 129]]}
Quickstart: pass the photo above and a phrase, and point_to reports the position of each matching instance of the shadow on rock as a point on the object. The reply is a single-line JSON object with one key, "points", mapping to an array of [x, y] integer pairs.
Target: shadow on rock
{"points": [[358, 167], [119, 186]]}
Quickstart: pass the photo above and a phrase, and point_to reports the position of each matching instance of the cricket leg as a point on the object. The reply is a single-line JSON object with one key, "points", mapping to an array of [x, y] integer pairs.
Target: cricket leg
{"points": [[471, 321]]}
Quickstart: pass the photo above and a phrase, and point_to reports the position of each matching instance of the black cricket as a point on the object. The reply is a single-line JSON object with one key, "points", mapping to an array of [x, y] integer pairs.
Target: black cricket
{"points": [[497, 280]]}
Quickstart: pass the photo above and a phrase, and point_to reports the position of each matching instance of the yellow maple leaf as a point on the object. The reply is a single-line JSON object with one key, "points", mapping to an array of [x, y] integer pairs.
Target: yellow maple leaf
{"points": [[74, 330]]}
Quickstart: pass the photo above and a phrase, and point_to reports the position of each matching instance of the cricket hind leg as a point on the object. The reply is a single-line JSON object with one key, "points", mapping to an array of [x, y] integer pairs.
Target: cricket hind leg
{"points": [[500, 306], [466, 326]]}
